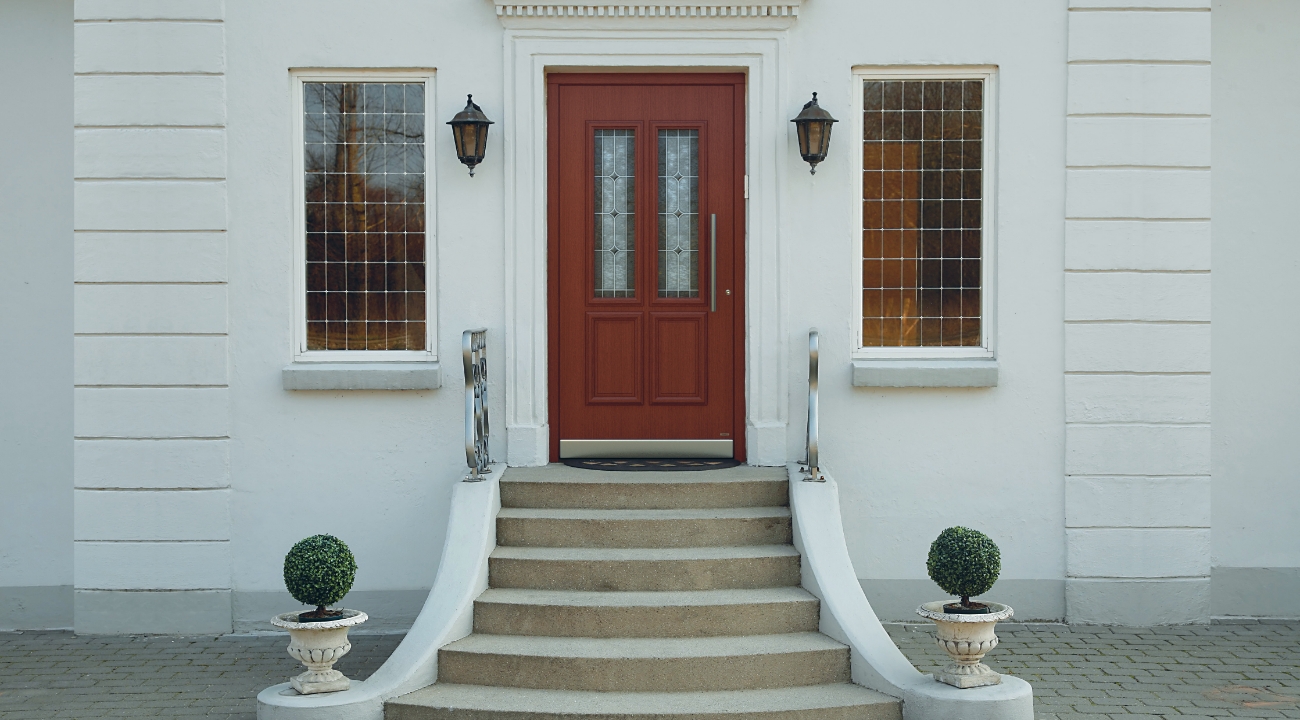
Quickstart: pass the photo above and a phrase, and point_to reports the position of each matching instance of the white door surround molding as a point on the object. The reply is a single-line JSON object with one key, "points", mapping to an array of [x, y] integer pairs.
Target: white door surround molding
{"points": [[699, 14], [529, 54]]}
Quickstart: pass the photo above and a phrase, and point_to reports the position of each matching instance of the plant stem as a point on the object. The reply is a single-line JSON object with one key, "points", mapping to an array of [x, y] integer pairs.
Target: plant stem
{"points": [[965, 601], [320, 611]]}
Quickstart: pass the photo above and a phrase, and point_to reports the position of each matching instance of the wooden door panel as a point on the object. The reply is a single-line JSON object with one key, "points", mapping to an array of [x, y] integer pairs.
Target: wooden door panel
{"points": [[679, 356], [637, 352], [614, 353]]}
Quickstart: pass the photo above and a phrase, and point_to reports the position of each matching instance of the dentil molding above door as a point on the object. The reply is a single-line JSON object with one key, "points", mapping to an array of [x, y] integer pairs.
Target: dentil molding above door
{"points": [[699, 14]]}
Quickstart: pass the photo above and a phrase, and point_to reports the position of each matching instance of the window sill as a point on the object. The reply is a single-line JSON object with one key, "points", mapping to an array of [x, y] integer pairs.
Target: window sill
{"points": [[362, 376], [925, 372]]}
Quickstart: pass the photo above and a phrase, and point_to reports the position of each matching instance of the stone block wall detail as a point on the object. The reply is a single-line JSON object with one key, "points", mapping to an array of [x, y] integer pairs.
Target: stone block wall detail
{"points": [[1137, 312], [152, 406]]}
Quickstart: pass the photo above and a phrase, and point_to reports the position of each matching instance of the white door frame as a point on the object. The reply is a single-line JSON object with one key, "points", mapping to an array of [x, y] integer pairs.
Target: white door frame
{"points": [[528, 56]]}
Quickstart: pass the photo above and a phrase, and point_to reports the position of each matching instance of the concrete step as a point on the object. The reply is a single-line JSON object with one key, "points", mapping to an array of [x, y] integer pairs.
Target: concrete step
{"points": [[645, 664], [601, 528], [695, 613], [707, 568], [560, 486], [840, 701]]}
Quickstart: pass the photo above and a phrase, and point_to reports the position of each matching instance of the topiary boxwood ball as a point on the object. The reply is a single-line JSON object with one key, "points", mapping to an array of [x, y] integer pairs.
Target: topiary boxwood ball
{"points": [[964, 562], [319, 571]]}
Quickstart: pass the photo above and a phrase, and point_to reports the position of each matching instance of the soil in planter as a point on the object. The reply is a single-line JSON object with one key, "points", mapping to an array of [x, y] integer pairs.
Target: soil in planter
{"points": [[975, 608], [319, 615]]}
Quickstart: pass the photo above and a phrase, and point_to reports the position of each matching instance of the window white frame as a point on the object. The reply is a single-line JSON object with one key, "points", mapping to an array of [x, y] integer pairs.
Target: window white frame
{"points": [[988, 230], [301, 353]]}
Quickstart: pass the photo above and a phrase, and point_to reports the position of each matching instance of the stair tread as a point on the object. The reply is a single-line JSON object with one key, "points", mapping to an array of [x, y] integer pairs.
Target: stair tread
{"points": [[724, 513], [642, 647], [578, 702], [722, 552], [645, 598], [566, 474]]}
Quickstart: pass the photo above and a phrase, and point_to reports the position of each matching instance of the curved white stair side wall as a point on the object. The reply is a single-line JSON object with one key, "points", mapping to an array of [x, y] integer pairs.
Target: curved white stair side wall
{"points": [[447, 615], [846, 615]]}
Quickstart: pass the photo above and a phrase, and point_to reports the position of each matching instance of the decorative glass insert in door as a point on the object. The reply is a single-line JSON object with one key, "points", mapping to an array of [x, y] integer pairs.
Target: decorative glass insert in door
{"points": [[615, 188], [363, 160], [679, 213]]}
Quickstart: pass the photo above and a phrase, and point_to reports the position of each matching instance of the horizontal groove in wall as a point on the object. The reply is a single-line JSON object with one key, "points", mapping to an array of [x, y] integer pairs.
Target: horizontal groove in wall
{"points": [[1138, 475], [151, 542], [149, 127], [155, 387], [1137, 219], [143, 179], [149, 74], [1137, 322], [1136, 578], [1137, 115], [151, 282], [1141, 424], [151, 334], [1125, 271], [1131, 372], [1138, 8], [151, 589], [165, 437], [122, 21], [172, 231], [1129, 61], [211, 488], [1137, 527], [1157, 168]]}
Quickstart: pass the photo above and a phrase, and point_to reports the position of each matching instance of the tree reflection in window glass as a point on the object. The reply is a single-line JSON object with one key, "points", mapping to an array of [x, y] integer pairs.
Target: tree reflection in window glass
{"points": [[363, 159]]}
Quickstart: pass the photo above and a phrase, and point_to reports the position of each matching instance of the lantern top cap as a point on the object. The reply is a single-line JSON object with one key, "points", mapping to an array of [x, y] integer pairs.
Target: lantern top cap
{"points": [[471, 114], [812, 112]]}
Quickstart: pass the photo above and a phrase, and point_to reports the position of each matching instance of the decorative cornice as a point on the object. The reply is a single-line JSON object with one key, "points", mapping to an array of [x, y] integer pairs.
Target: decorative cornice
{"points": [[700, 9]]}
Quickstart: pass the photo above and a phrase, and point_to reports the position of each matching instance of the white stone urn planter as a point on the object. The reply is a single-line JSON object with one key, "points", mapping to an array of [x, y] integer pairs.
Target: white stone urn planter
{"points": [[966, 639], [318, 645]]}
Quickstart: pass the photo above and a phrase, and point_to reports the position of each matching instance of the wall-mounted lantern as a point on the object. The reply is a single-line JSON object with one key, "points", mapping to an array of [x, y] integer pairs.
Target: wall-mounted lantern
{"points": [[470, 130], [814, 126]]}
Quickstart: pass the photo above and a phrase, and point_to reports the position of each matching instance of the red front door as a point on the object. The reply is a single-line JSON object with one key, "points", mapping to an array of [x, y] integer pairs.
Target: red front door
{"points": [[646, 238]]}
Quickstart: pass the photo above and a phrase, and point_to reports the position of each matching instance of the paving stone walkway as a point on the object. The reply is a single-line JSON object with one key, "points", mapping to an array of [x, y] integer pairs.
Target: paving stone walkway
{"points": [[1079, 673]]}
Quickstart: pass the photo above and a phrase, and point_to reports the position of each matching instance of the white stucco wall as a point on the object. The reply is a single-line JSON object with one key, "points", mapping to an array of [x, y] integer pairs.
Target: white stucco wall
{"points": [[899, 455], [1256, 257], [36, 323], [373, 467]]}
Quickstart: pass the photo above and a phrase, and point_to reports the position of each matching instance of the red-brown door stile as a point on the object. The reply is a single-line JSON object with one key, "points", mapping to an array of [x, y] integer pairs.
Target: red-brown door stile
{"points": [[645, 366]]}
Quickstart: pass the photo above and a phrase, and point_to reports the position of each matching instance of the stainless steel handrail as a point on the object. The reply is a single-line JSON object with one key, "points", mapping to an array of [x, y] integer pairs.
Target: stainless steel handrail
{"points": [[473, 350], [814, 471]]}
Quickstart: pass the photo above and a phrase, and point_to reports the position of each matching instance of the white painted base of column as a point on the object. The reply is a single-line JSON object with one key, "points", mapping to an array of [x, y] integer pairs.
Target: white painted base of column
{"points": [[765, 445], [528, 445], [176, 612]]}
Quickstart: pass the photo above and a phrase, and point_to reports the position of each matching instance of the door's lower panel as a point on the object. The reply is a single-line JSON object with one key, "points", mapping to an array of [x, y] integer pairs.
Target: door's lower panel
{"points": [[645, 449]]}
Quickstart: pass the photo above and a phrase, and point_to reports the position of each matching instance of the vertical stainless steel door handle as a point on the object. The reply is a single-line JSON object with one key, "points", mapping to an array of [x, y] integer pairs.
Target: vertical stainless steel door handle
{"points": [[713, 263]]}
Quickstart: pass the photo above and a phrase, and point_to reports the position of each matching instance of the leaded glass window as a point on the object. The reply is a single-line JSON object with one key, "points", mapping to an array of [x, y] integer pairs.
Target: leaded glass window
{"points": [[922, 193], [679, 208], [615, 213], [363, 159]]}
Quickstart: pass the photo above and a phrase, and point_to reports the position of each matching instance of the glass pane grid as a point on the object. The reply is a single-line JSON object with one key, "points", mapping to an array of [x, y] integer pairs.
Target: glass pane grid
{"points": [[922, 189], [615, 189], [679, 213], [363, 157]]}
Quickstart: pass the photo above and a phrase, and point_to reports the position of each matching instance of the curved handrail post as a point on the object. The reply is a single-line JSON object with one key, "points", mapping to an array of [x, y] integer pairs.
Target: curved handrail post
{"points": [[473, 350], [814, 470]]}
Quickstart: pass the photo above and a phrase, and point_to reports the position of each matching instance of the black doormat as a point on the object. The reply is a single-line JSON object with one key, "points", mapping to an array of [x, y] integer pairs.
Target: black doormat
{"points": [[651, 464]]}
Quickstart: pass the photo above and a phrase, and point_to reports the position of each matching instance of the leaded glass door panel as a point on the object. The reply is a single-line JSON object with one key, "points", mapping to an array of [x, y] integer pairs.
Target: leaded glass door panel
{"points": [[645, 234]]}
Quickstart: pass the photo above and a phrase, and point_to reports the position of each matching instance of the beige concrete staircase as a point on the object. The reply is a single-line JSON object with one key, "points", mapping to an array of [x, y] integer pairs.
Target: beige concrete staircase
{"points": [[644, 595]]}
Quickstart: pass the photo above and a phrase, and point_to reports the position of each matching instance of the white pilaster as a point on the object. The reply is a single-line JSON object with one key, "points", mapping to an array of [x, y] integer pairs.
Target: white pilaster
{"points": [[152, 525], [1137, 313]]}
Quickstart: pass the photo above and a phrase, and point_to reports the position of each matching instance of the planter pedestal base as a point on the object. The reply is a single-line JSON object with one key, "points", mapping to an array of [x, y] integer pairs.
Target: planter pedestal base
{"points": [[968, 676], [319, 646], [966, 639]]}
